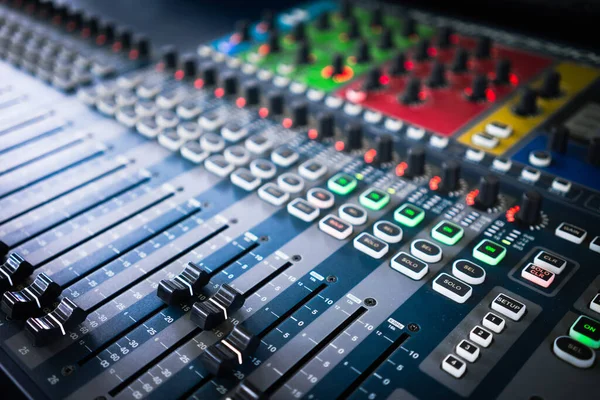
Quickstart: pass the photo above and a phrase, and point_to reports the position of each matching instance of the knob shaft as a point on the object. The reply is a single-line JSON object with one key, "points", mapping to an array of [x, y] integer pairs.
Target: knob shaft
{"points": [[415, 161], [275, 102], [169, 57], [437, 77], [325, 125], [354, 136], [398, 66], [527, 103], [251, 91], [338, 64], [421, 51], [411, 92], [299, 112], [489, 187], [558, 139], [372, 81], [483, 47], [531, 206], [385, 148], [502, 72], [459, 63], [551, 85], [450, 175]]}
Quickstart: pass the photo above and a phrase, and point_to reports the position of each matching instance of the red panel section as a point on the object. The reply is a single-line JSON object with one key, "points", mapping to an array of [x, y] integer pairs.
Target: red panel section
{"points": [[445, 110]]}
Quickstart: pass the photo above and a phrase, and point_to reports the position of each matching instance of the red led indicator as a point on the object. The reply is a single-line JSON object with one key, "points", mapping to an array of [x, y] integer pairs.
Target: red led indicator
{"points": [[409, 65], [401, 168], [370, 156], [134, 54], [219, 92], [198, 83], [100, 40], [432, 51], [490, 95], [434, 183], [384, 79], [179, 74], [313, 134], [287, 123], [339, 145], [470, 199], [117, 46], [513, 79], [263, 112], [240, 102], [263, 50], [511, 213]]}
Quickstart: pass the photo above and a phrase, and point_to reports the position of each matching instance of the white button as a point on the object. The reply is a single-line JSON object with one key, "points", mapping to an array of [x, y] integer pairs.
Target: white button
{"points": [[145, 109], [409, 266], [373, 117], [170, 140], [475, 276], [352, 213], [439, 142], [149, 90], [335, 227], [501, 165], [148, 127], [248, 69], [595, 244], [474, 155], [454, 366], [393, 125], [433, 256], [388, 231], [167, 119], [211, 121], [273, 194], [233, 135], [315, 95], [530, 174], [484, 140], [189, 130], [568, 357], [107, 106], [264, 75], [244, 179], [452, 288], [126, 119], [508, 307], [281, 81], [561, 185], [415, 133], [498, 129], [550, 262], [263, 169], [571, 233], [212, 142], [125, 98], [258, 144], [320, 198], [284, 157], [218, 165], [188, 111], [493, 322], [300, 208], [312, 170], [595, 303], [333, 102], [237, 155], [197, 155], [467, 351], [170, 101], [370, 245], [291, 183], [540, 159], [481, 336], [297, 88], [352, 109]]}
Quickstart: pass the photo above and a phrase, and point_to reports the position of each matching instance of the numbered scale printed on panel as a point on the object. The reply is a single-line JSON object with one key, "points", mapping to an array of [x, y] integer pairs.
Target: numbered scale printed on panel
{"points": [[345, 200]]}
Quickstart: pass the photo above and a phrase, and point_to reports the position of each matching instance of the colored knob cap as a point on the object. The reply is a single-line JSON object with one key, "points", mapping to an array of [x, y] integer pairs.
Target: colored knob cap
{"points": [[450, 175], [489, 187], [530, 208], [416, 162], [558, 139]]}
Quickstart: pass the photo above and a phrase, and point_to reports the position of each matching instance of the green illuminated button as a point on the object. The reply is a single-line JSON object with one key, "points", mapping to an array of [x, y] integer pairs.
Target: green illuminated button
{"points": [[409, 215], [586, 331], [489, 252], [342, 184], [447, 233], [374, 199]]}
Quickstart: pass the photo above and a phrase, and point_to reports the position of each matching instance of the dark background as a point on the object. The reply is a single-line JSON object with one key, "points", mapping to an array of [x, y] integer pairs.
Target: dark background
{"points": [[186, 23]]}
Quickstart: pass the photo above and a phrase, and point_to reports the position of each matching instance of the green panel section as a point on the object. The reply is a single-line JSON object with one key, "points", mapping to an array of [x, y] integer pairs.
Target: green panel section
{"points": [[324, 44]]}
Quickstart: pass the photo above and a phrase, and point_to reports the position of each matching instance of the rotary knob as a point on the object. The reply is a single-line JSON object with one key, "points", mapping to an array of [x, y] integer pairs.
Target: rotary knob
{"points": [[450, 176], [415, 161], [489, 188], [530, 208], [527, 104]]}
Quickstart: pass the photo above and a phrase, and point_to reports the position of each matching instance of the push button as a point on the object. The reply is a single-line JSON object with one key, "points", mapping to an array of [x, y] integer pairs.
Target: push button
{"points": [[409, 266], [454, 366], [189, 130], [493, 322], [586, 331], [426, 251], [218, 165], [387, 231], [335, 227], [409, 215], [167, 119], [467, 351], [320, 198], [312, 170], [571, 233], [233, 132], [188, 109], [171, 139], [194, 152], [263, 169], [595, 244], [245, 179], [300, 208], [468, 271], [498, 129], [595, 304], [508, 307], [573, 352], [447, 233], [374, 199], [354, 214], [237, 155], [370, 245], [211, 121], [481, 336], [284, 156], [291, 183], [537, 275], [258, 144], [452, 288], [212, 142], [342, 184], [273, 194], [550, 262], [489, 252]]}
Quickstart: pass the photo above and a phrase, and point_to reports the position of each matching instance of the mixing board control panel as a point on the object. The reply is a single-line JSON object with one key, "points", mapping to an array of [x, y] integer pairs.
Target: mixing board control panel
{"points": [[343, 200]]}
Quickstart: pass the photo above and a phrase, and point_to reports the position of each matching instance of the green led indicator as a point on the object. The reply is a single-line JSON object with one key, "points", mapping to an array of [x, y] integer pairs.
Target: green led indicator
{"points": [[447, 233], [586, 331], [489, 252], [409, 215], [374, 199], [448, 229], [490, 249], [342, 184]]}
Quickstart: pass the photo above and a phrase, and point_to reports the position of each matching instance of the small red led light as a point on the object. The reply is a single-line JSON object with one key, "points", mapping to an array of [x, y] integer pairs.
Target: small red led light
{"points": [[409, 65], [432, 51], [454, 39], [198, 83], [511, 213], [134, 54], [117, 46], [422, 95], [384, 79], [401, 168], [160, 67], [240, 102], [85, 33], [219, 92], [468, 92], [100, 40], [370, 155], [263, 50], [287, 123], [263, 112], [434, 183], [490, 95], [179, 74], [339, 145], [70, 26], [470, 198], [513, 79], [313, 134]]}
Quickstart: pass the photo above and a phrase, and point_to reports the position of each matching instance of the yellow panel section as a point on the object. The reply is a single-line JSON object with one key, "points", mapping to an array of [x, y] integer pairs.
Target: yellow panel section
{"points": [[574, 79]]}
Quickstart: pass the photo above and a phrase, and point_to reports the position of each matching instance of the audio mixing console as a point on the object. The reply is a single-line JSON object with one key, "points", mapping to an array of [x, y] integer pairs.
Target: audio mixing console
{"points": [[342, 200]]}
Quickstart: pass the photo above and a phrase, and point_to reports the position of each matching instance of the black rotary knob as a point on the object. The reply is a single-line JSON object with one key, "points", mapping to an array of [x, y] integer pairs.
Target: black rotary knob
{"points": [[125, 38], [189, 66], [303, 53], [323, 22], [251, 91], [108, 30], [209, 73], [385, 148], [502, 72], [273, 42], [142, 45], [74, 20], [243, 30], [325, 125], [354, 136], [527, 104], [377, 17], [421, 51], [299, 32], [229, 83], [444, 36], [337, 63], [346, 9], [363, 54], [275, 102], [416, 162], [409, 26], [372, 81], [459, 63], [353, 28], [483, 48], [385, 40], [593, 153], [530, 208], [299, 113], [558, 139], [489, 187], [450, 175], [551, 85], [411, 92], [437, 77], [169, 57], [268, 20], [478, 88], [91, 25], [398, 66]]}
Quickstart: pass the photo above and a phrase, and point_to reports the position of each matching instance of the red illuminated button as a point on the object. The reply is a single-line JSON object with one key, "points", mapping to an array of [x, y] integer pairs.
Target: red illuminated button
{"points": [[537, 275]]}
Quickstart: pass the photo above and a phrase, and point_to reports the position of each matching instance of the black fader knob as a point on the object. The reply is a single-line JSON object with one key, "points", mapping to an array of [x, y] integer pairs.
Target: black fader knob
{"points": [[170, 57], [208, 72], [478, 88], [229, 83], [251, 92], [437, 77], [530, 208], [189, 66], [56, 324], [489, 188], [483, 48], [222, 357], [325, 125], [558, 139], [460, 61], [247, 391], [354, 136], [421, 50], [411, 92], [415, 158], [243, 30], [13, 271], [444, 37], [372, 81], [184, 286], [303, 53], [275, 103], [502, 73], [385, 149], [398, 66], [23, 304], [450, 176], [593, 153], [550, 85], [214, 311], [299, 113], [527, 104], [337, 63], [363, 54]]}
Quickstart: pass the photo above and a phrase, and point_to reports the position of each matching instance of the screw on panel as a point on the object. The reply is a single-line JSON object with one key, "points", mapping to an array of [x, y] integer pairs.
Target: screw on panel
{"points": [[68, 370], [296, 258], [331, 279], [233, 221], [414, 327], [263, 239], [370, 302]]}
